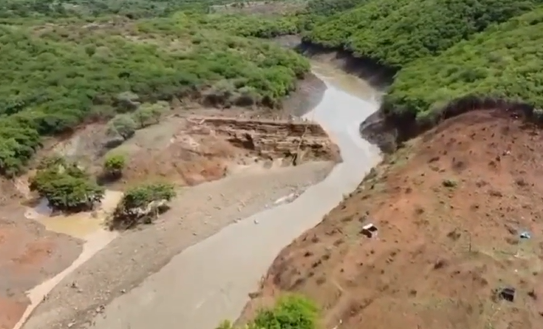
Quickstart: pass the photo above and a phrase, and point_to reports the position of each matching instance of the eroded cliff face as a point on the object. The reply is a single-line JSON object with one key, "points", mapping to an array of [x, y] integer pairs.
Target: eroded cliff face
{"points": [[292, 141]]}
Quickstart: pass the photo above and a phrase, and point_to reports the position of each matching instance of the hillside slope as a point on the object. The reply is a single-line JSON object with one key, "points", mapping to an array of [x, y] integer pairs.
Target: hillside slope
{"points": [[496, 68], [396, 32], [102, 68], [451, 208]]}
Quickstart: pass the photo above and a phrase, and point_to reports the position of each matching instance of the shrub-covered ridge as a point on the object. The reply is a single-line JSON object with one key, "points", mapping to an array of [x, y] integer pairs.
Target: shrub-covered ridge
{"points": [[396, 32], [503, 62], [58, 75]]}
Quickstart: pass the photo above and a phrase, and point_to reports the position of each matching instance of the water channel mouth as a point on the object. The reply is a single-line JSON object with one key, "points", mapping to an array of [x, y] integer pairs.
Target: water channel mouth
{"points": [[211, 281]]}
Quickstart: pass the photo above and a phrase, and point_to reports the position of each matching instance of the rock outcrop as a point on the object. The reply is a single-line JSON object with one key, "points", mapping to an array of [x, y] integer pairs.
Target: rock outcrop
{"points": [[296, 141]]}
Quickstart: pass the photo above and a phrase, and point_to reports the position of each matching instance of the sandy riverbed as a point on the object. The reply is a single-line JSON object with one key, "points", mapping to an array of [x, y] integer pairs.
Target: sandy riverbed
{"points": [[210, 281]]}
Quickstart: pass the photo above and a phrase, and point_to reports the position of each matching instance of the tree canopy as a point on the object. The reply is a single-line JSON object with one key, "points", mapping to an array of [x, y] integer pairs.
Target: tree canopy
{"points": [[396, 32], [141, 204], [57, 74], [66, 186], [502, 62]]}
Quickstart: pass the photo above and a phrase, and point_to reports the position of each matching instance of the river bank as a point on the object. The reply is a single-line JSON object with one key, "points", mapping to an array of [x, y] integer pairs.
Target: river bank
{"points": [[202, 303], [41, 250]]}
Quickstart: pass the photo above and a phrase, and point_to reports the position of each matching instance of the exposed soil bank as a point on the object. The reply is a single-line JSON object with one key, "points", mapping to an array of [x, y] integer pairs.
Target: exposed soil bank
{"points": [[308, 94], [378, 76], [389, 130], [453, 208]]}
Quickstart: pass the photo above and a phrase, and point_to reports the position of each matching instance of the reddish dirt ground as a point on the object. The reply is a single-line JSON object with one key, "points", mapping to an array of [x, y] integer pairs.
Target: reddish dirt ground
{"points": [[28, 255], [450, 208]]}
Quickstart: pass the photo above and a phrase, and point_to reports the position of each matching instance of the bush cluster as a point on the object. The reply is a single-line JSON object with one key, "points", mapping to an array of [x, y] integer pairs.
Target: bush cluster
{"points": [[396, 32], [500, 63], [142, 204], [66, 186], [56, 76], [291, 311]]}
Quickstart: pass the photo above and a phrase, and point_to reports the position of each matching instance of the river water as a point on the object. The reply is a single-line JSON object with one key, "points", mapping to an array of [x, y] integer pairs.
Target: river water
{"points": [[210, 281]]}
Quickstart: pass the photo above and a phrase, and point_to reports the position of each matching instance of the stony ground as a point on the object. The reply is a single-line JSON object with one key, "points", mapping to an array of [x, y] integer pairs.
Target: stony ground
{"points": [[451, 209], [197, 213]]}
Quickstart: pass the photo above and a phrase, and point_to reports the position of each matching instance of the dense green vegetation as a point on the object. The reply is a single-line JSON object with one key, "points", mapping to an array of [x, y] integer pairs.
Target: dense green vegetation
{"points": [[55, 76], [142, 204], [81, 8], [114, 165], [331, 7], [259, 26], [290, 312], [65, 186], [503, 62], [396, 32]]}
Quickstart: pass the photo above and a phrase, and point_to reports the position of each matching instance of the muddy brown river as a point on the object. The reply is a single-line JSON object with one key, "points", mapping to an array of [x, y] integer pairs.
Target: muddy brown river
{"points": [[210, 281]]}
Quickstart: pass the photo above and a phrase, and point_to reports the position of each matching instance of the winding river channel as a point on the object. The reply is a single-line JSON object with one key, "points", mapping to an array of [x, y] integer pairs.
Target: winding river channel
{"points": [[211, 280]]}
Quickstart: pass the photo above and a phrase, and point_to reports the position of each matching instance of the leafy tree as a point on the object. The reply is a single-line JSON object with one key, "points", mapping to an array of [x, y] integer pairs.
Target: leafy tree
{"points": [[396, 32], [291, 311], [55, 77], [122, 125], [66, 187], [114, 165], [499, 64], [142, 204]]}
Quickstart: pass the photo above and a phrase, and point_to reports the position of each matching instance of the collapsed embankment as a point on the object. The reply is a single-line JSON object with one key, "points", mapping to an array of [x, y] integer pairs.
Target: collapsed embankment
{"points": [[389, 128], [295, 142]]}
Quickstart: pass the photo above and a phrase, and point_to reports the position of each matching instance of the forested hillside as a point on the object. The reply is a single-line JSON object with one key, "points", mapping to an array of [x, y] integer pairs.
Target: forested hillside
{"points": [[56, 74], [129, 8], [396, 32], [503, 62]]}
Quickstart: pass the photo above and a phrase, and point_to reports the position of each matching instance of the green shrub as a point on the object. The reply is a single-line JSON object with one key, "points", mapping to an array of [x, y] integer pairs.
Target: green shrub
{"points": [[142, 204], [114, 165], [66, 186], [122, 125], [396, 32], [290, 312]]}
